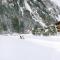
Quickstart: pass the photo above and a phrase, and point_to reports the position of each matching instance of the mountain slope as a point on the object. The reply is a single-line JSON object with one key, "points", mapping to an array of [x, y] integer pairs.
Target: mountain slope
{"points": [[31, 12]]}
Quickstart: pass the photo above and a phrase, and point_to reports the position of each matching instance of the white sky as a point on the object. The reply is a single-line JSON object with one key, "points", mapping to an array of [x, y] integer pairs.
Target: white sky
{"points": [[56, 2]]}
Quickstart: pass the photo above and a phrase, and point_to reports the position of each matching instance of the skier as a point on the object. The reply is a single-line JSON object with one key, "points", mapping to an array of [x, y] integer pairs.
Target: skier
{"points": [[21, 37]]}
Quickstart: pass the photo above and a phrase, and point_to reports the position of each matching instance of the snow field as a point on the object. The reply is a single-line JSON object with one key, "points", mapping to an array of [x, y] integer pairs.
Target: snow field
{"points": [[29, 48]]}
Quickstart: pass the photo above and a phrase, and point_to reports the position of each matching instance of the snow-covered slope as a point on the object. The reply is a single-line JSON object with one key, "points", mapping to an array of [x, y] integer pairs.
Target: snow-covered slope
{"points": [[29, 48], [57, 2]]}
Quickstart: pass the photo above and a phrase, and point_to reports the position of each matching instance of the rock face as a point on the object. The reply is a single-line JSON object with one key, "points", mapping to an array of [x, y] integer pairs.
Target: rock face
{"points": [[31, 12]]}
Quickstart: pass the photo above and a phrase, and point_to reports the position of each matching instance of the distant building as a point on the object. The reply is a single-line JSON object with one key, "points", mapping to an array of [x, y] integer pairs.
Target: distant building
{"points": [[58, 26]]}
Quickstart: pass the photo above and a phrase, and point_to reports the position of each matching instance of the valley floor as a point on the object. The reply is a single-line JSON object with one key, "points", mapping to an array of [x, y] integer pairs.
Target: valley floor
{"points": [[29, 48]]}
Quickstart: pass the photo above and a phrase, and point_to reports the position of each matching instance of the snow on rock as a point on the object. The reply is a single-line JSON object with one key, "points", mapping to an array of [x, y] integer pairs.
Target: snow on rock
{"points": [[30, 48], [27, 6], [35, 14], [57, 2], [58, 18]]}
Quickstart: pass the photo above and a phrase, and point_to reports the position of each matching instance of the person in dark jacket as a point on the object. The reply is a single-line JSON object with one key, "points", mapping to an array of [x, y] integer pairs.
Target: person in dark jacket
{"points": [[21, 37]]}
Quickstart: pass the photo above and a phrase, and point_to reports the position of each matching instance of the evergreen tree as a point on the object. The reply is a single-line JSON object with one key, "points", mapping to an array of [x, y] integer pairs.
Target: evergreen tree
{"points": [[34, 31], [2, 27], [15, 24], [21, 27]]}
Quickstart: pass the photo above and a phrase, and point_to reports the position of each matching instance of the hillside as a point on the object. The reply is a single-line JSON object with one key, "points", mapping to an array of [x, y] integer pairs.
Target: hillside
{"points": [[23, 15]]}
